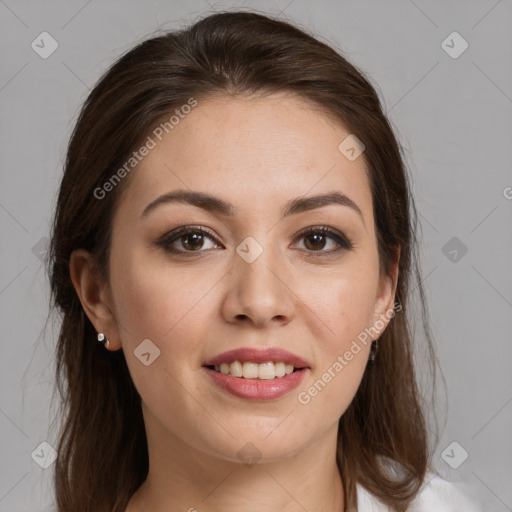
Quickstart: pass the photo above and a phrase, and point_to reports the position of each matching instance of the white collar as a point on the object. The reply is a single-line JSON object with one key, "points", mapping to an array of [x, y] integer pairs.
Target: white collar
{"points": [[435, 494]]}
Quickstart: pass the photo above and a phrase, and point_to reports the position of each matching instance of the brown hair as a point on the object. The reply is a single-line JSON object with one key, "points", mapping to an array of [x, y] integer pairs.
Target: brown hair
{"points": [[102, 451]]}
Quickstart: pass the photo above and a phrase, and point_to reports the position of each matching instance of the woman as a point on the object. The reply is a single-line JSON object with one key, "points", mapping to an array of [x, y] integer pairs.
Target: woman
{"points": [[234, 227]]}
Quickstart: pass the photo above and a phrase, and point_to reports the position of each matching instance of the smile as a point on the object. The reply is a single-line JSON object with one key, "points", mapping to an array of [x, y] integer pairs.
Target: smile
{"points": [[255, 373], [250, 370]]}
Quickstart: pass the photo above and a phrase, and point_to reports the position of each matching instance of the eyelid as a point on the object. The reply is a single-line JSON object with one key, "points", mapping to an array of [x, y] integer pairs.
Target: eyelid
{"points": [[342, 241], [171, 236]]}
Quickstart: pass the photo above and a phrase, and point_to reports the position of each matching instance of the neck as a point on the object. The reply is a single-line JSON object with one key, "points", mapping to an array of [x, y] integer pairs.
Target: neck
{"points": [[180, 477]]}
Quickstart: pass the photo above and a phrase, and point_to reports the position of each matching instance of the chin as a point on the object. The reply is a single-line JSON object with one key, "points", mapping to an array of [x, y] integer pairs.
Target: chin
{"points": [[258, 449]]}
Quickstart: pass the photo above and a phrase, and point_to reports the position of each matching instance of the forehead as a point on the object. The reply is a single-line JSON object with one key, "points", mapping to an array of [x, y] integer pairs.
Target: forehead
{"points": [[250, 151]]}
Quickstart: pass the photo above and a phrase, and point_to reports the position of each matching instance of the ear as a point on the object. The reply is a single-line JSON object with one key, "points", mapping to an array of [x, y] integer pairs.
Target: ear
{"points": [[385, 300], [95, 295]]}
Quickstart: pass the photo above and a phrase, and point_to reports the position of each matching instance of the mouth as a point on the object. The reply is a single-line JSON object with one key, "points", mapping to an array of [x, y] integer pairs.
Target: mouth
{"points": [[268, 370], [256, 374]]}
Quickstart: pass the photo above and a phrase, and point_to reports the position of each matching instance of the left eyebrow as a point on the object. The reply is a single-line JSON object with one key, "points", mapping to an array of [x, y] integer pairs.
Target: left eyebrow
{"points": [[215, 204]]}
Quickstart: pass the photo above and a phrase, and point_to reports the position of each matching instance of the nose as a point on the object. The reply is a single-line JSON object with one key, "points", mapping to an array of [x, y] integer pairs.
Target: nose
{"points": [[258, 292]]}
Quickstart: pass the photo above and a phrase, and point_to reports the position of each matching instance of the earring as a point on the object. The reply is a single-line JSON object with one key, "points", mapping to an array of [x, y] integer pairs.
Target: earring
{"points": [[374, 349], [103, 340]]}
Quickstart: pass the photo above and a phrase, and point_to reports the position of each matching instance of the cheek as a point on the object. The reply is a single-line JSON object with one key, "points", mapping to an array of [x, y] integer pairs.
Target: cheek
{"points": [[167, 306], [354, 299], [346, 302], [342, 356], [153, 299], [172, 307], [328, 395]]}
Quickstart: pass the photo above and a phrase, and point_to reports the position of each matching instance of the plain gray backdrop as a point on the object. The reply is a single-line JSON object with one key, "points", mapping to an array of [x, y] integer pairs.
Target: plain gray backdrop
{"points": [[451, 106]]}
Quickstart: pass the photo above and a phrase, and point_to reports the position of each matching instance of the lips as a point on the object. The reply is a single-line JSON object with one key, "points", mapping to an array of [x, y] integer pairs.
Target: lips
{"points": [[258, 389]]}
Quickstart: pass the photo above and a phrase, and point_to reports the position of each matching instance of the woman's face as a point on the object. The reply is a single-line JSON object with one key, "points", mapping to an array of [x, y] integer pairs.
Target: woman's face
{"points": [[253, 281]]}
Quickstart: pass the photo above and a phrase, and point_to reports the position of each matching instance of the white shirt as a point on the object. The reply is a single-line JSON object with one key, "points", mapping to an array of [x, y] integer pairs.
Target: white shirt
{"points": [[436, 495]]}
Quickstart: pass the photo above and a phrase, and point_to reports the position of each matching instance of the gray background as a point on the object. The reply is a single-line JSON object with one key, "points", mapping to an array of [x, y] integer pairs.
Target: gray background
{"points": [[454, 119]]}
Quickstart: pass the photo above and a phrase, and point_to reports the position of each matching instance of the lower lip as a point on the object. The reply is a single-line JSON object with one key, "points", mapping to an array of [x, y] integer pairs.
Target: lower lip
{"points": [[257, 389]]}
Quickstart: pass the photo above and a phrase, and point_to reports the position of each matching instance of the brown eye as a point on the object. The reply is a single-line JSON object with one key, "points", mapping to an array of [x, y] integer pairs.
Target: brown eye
{"points": [[315, 241], [187, 240], [316, 238], [192, 241]]}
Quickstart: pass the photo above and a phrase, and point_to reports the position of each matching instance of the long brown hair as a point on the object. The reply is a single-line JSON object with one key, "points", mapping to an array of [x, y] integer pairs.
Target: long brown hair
{"points": [[102, 450]]}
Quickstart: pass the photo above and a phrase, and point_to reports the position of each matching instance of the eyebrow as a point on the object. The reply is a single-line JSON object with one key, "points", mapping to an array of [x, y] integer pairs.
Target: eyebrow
{"points": [[216, 205]]}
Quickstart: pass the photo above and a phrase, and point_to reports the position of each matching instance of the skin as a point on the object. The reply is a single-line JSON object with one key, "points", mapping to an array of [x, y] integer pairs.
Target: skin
{"points": [[257, 153]]}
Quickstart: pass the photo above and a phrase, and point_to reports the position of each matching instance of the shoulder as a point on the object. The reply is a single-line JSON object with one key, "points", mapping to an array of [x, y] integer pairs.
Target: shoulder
{"points": [[435, 494]]}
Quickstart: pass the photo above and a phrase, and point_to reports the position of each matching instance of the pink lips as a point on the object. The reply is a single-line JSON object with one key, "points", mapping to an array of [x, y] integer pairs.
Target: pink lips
{"points": [[257, 389]]}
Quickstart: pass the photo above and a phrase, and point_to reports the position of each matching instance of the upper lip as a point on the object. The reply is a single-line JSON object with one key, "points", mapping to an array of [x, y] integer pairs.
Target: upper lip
{"points": [[255, 355]]}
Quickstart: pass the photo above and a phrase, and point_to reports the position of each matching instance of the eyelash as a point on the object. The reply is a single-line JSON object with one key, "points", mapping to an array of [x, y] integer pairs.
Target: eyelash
{"points": [[344, 244]]}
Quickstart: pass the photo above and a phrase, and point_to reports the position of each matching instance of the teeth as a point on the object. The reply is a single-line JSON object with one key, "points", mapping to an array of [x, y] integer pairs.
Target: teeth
{"points": [[280, 369], [248, 370], [236, 369], [266, 371]]}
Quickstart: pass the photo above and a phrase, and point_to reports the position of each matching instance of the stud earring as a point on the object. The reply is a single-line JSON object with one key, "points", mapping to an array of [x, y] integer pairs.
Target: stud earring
{"points": [[103, 340]]}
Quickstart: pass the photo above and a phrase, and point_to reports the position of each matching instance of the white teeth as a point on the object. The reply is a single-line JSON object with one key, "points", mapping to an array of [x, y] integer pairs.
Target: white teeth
{"points": [[249, 370], [236, 369], [266, 371], [280, 372]]}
